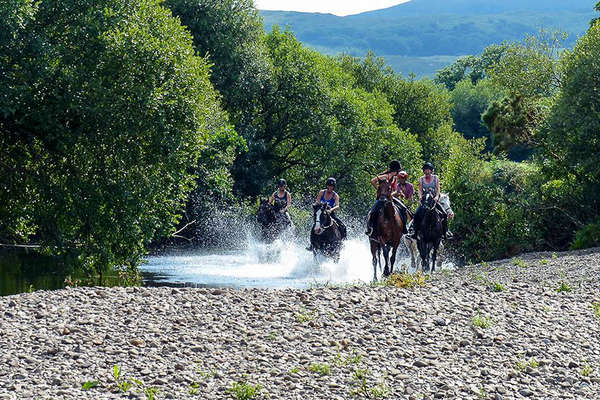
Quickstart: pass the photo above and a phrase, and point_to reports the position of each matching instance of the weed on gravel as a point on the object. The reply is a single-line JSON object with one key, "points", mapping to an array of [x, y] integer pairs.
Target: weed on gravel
{"points": [[244, 390], [482, 321], [406, 281]]}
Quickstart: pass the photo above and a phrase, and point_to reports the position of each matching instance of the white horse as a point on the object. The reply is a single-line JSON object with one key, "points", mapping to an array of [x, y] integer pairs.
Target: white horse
{"points": [[411, 244]]}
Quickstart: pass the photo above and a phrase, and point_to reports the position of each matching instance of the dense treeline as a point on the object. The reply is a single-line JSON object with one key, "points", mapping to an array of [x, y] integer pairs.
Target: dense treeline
{"points": [[123, 122]]}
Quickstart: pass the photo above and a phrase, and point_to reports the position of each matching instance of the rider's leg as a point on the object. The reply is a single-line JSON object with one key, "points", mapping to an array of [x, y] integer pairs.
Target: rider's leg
{"points": [[343, 230], [371, 218], [445, 231], [414, 231]]}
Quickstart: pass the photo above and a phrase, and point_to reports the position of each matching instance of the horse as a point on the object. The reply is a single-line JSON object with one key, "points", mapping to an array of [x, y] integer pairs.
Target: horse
{"points": [[389, 231], [430, 233], [411, 244], [271, 222], [325, 235]]}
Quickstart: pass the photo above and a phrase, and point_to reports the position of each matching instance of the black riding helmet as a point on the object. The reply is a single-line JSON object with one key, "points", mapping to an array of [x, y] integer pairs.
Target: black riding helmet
{"points": [[428, 165], [282, 183], [395, 166], [330, 181]]}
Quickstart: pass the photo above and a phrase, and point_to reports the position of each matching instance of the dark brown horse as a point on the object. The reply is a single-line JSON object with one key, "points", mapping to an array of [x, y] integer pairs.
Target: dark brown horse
{"points": [[389, 231]]}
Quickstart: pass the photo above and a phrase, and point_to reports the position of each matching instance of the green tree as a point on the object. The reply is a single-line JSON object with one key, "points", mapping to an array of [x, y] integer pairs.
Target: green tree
{"points": [[570, 136], [419, 106], [472, 67], [318, 123], [104, 111], [231, 34], [530, 74], [469, 102]]}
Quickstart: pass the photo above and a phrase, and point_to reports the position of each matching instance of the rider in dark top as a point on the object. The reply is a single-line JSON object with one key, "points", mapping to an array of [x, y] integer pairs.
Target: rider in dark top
{"points": [[281, 200], [330, 197]]}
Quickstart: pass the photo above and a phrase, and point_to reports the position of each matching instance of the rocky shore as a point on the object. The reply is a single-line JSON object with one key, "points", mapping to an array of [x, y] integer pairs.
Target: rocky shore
{"points": [[528, 327]]}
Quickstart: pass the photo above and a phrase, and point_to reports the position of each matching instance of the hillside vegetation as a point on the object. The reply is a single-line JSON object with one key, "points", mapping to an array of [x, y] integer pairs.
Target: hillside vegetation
{"points": [[427, 28]]}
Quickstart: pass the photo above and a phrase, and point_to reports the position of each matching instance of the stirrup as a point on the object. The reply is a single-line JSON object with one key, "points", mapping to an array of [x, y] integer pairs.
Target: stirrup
{"points": [[448, 235], [369, 231]]}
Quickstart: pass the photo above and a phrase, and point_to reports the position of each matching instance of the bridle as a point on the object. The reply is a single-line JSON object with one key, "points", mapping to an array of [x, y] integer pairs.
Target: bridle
{"points": [[322, 229]]}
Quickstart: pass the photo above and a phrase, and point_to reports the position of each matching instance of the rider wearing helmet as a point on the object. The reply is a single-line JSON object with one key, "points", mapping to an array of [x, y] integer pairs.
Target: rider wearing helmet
{"points": [[429, 183], [404, 190], [390, 175], [281, 200], [329, 196]]}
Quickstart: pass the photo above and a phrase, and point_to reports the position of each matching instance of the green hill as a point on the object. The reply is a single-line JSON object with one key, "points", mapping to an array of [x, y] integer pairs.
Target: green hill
{"points": [[415, 36]]}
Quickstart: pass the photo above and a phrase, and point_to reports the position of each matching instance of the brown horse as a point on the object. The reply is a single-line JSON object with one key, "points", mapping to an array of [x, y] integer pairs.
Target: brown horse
{"points": [[389, 230]]}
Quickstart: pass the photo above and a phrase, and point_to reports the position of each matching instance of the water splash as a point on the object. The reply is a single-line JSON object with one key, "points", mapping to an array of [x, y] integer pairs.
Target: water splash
{"points": [[282, 264]]}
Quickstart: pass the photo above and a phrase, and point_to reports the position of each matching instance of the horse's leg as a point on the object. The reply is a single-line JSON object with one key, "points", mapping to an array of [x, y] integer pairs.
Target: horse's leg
{"points": [[440, 255], [374, 252], [386, 256], [393, 259]]}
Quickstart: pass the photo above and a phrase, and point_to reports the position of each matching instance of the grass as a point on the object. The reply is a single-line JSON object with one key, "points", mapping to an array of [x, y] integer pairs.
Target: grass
{"points": [[523, 364], [320, 368], [305, 316], [194, 389], [406, 280], [519, 262], [89, 384], [586, 370], [543, 261], [294, 370], [482, 321], [353, 358], [244, 390], [497, 287], [596, 309], [564, 287]]}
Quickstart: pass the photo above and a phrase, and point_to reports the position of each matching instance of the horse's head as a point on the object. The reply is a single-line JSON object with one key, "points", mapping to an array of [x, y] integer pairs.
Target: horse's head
{"points": [[429, 201], [321, 219], [265, 214], [445, 203], [384, 189]]}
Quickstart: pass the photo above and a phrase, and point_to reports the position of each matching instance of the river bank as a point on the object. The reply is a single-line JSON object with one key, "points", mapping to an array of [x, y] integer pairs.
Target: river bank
{"points": [[524, 327]]}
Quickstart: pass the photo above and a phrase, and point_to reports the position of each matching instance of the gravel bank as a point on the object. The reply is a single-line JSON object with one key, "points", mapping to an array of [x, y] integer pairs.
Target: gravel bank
{"points": [[332, 343]]}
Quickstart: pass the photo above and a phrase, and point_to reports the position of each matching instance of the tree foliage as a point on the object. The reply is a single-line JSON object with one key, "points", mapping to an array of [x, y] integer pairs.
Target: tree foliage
{"points": [[104, 109], [571, 140]]}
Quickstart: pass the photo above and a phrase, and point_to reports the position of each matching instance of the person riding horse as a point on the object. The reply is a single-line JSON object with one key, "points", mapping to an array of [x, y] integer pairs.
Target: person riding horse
{"points": [[390, 176], [429, 183], [281, 200], [329, 196], [404, 190]]}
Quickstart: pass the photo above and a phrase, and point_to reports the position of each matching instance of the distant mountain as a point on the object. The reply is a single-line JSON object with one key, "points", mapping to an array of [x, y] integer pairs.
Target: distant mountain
{"points": [[433, 30]]}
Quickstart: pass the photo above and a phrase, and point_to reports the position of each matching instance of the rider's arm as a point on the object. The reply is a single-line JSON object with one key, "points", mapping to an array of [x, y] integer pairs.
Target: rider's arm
{"points": [[420, 190], [272, 199], [289, 202], [437, 188], [377, 178], [337, 203], [318, 200]]}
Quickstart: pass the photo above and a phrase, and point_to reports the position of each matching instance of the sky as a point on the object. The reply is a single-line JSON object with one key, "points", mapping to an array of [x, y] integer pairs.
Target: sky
{"points": [[337, 7]]}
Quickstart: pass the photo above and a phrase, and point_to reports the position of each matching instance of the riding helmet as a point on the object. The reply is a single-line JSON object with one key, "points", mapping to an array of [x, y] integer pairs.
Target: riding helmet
{"points": [[428, 165], [403, 174], [395, 166], [282, 183], [330, 181]]}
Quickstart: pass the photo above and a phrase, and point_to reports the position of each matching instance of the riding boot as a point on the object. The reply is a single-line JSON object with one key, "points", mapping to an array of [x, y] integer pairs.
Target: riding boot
{"points": [[447, 233]]}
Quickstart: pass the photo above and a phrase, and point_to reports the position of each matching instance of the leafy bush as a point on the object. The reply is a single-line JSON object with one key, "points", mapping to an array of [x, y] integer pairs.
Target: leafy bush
{"points": [[588, 236]]}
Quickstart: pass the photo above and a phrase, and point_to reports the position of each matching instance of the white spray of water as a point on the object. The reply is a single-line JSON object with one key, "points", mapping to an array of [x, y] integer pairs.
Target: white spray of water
{"points": [[283, 263]]}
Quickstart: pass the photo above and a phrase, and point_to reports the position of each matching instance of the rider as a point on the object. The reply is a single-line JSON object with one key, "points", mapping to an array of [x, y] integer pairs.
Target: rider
{"points": [[333, 199], [281, 200], [404, 190], [389, 175], [429, 183]]}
